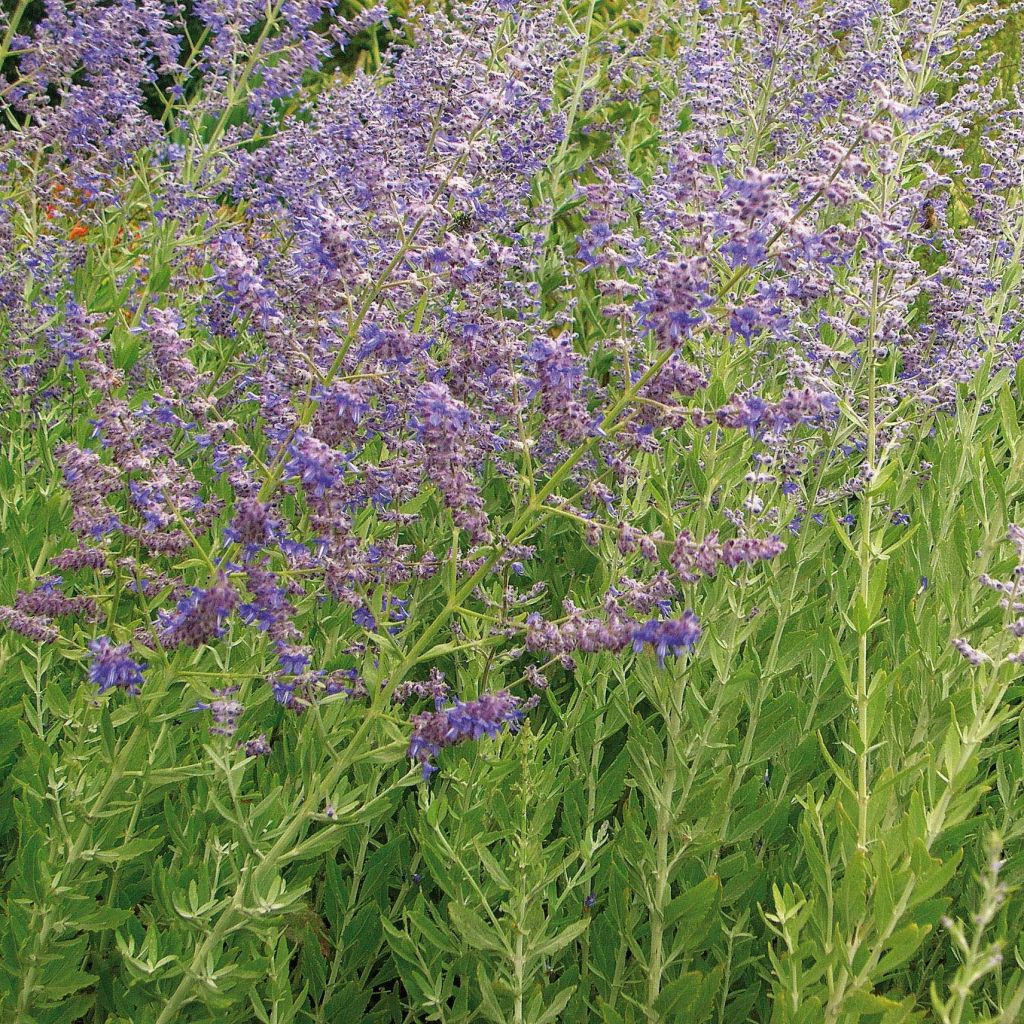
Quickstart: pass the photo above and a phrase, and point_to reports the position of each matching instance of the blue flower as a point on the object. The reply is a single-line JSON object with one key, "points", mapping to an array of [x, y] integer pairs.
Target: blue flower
{"points": [[317, 465], [364, 617], [283, 691], [466, 720], [293, 660], [114, 666], [673, 636], [344, 401]]}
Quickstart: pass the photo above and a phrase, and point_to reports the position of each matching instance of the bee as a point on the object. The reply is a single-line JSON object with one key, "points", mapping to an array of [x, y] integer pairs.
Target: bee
{"points": [[929, 218]]}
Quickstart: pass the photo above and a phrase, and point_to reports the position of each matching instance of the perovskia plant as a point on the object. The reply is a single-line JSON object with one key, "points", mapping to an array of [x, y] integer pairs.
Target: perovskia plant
{"points": [[524, 528]]}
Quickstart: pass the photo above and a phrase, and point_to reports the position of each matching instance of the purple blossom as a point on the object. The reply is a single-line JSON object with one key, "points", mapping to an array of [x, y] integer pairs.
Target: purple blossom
{"points": [[270, 609], [676, 306], [253, 525], [113, 666], [465, 720], [316, 464], [691, 558], [971, 654], [675, 636], [241, 285], [35, 627], [436, 689], [363, 617], [438, 413], [49, 601], [199, 617], [79, 558], [293, 660], [258, 746], [224, 709], [283, 690]]}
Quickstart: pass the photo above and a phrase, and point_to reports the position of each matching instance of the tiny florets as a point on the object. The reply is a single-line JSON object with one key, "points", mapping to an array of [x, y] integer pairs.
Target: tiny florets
{"points": [[113, 666]]}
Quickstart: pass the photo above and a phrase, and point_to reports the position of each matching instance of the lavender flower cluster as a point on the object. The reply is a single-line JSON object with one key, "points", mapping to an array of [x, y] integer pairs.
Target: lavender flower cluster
{"points": [[338, 321]]}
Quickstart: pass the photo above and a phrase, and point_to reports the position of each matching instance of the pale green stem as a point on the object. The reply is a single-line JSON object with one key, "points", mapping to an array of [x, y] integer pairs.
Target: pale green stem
{"points": [[664, 820]]}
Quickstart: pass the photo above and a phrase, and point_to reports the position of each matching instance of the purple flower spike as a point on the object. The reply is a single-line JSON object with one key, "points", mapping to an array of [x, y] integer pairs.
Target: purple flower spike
{"points": [[293, 660], [224, 709], [114, 666], [467, 720], [362, 616], [674, 636], [258, 746], [200, 616]]}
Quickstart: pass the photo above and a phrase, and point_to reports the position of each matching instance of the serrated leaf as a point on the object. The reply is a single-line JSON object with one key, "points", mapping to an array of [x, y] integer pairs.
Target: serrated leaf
{"points": [[901, 947], [474, 930], [558, 942], [554, 1005]]}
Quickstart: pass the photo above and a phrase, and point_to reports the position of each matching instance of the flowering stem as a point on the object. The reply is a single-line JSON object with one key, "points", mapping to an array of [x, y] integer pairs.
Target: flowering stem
{"points": [[28, 985], [236, 89], [663, 824], [12, 28], [519, 955], [29, 979], [865, 551], [577, 92], [990, 706], [225, 923], [593, 774], [865, 560], [522, 524]]}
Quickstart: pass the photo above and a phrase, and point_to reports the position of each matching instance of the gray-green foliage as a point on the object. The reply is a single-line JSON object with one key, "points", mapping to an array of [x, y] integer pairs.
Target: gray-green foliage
{"points": [[816, 816]]}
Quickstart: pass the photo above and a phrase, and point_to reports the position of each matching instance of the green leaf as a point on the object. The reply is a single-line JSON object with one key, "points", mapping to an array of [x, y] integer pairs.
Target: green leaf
{"points": [[690, 996], [68, 981], [692, 912], [489, 1002], [863, 1001], [884, 894], [558, 942], [472, 928], [128, 850], [934, 875], [554, 1005], [102, 919], [841, 533], [901, 947]]}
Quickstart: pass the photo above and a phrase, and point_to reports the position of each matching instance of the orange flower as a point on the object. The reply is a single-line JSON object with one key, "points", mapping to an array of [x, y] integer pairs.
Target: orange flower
{"points": [[78, 231]]}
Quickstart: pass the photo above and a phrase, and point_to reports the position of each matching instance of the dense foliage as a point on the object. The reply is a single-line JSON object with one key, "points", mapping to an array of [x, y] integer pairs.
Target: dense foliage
{"points": [[510, 513]]}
